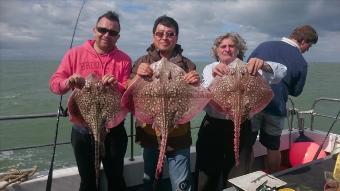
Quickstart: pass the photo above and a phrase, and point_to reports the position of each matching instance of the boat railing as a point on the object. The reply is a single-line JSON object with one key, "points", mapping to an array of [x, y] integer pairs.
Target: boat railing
{"points": [[312, 113], [30, 116], [52, 115], [130, 135], [292, 112]]}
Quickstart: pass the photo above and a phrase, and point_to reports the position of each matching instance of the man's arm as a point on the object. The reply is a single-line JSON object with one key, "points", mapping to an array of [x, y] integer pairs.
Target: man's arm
{"points": [[274, 72]]}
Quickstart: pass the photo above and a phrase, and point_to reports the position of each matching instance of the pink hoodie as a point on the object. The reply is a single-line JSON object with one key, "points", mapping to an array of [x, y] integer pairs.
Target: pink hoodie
{"points": [[84, 60]]}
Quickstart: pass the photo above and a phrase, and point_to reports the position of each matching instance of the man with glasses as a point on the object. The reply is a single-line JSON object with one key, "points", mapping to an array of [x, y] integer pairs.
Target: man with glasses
{"points": [[165, 36], [270, 121], [101, 57]]}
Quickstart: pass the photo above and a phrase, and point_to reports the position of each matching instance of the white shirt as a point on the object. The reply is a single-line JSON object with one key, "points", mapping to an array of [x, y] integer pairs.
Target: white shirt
{"points": [[279, 72], [291, 42]]}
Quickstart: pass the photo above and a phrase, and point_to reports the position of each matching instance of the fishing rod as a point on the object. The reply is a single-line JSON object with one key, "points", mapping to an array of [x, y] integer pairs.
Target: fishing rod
{"points": [[61, 112], [329, 130], [290, 120]]}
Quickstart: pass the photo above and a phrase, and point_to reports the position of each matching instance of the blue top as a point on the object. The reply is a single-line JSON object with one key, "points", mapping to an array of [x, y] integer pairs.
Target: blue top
{"points": [[293, 83]]}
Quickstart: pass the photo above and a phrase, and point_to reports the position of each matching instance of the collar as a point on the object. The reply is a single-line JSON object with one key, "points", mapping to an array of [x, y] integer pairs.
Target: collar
{"points": [[92, 42], [176, 55], [231, 64], [291, 42]]}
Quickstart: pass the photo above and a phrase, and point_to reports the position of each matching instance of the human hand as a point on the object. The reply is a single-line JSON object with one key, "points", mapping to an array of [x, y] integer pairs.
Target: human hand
{"points": [[220, 70], [144, 70], [254, 65], [109, 79], [75, 81], [192, 78]]}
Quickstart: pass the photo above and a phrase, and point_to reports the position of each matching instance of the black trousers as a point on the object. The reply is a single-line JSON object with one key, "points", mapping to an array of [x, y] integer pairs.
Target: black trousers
{"points": [[113, 161], [215, 152]]}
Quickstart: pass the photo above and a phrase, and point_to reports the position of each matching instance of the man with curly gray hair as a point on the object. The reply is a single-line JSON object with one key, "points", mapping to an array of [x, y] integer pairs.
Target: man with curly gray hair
{"points": [[214, 146]]}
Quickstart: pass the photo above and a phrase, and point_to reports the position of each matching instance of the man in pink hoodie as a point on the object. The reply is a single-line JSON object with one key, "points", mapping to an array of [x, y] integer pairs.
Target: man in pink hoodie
{"points": [[102, 57]]}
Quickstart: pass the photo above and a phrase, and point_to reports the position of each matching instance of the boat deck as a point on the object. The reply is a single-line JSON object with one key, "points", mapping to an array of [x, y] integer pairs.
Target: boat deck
{"points": [[164, 185]]}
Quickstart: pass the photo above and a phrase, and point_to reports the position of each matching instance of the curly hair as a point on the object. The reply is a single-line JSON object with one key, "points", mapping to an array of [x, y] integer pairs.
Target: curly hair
{"points": [[240, 44]]}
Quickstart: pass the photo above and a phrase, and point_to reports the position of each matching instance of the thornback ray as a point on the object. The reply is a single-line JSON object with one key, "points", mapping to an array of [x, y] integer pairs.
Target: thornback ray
{"points": [[239, 95], [165, 100], [97, 107]]}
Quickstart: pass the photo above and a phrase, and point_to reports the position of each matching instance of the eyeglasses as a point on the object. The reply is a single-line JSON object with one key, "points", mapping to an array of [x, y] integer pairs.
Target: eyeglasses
{"points": [[103, 31], [167, 34]]}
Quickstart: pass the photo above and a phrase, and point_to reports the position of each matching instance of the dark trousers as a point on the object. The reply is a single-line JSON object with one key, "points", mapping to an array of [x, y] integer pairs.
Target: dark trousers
{"points": [[215, 152], [113, 161]]}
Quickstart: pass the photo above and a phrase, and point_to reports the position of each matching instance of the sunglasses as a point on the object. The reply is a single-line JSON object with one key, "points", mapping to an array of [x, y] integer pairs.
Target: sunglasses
{"points": [[103, 31], [166, 34]]}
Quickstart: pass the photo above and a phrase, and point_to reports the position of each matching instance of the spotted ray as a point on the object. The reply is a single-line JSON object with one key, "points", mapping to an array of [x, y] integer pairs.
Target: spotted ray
{"points": [[97, 107], [239, 96], [165, 100]]}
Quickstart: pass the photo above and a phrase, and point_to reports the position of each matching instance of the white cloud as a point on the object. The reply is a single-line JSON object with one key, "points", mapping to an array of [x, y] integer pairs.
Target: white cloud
{"points": [[45, 28]]}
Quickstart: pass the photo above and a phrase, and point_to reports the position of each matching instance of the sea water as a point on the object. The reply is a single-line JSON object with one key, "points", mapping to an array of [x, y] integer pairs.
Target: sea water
{"points": [[24, 90]]}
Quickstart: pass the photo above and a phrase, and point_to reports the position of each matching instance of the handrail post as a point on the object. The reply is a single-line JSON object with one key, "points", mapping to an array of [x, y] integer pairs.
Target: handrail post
{"points": [[301, 123], [312, 121]]}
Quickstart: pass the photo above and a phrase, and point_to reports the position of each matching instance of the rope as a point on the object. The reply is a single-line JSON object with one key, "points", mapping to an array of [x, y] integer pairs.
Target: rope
{"points": [[15, 176]]}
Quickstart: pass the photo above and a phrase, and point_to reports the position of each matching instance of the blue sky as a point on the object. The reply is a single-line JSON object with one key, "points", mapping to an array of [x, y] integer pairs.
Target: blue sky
{"points": [[42, 29]]}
